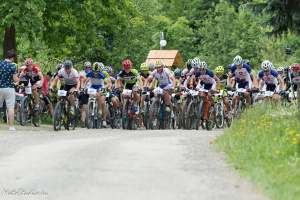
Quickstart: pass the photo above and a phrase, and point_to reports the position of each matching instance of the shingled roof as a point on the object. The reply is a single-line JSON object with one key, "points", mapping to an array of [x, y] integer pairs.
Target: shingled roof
{"points": [[168, 57]]}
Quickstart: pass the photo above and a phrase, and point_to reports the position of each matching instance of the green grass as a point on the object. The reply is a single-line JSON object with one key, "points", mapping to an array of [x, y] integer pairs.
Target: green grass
{"points": [[263, 145]]}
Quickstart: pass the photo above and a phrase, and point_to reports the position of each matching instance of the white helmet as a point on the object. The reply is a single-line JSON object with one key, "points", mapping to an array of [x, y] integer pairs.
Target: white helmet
{"points": [[238, 60], [280, 69], [203, 64], [266, 65], [196, 62]]}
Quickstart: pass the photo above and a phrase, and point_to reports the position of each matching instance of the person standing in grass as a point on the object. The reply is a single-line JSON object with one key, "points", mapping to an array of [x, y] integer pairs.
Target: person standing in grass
{"points": [[8, 75]]}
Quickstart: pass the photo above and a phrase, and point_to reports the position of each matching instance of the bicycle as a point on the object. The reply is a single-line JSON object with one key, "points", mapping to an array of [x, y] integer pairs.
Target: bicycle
{"points": [[28, 110], [130, 120], [115, 118], [94, 118], [62, 115]]}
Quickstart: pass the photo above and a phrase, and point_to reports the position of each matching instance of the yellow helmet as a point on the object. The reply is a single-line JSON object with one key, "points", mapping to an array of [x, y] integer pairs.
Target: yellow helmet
{"points": [[219, 70], [159, 63], [144, 67]]}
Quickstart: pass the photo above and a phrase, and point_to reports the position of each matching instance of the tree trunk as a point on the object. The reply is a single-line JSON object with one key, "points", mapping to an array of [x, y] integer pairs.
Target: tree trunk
{"points": [[9, 42]]}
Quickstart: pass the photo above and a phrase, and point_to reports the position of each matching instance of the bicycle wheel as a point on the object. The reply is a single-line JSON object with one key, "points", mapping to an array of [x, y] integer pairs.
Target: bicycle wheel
{"points": [[58, 116], [154, 115], [190, 116], [90, 117], [219, 115], [199, 112], [146, 116], [210, 123], [125, 118], [24, 110]]}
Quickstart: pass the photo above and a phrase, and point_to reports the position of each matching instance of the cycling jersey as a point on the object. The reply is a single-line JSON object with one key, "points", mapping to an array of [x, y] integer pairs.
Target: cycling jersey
{"points": [[163, 78], [128, 79], [32, 75], [268, 78], [241, 75], [69, 78], [96, 79], [206, 80]]}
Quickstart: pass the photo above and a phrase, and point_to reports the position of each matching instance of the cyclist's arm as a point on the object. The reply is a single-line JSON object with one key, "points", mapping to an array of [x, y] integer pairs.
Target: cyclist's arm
{"points": [[54, 82], [281, 83], [41, 76], [78, 83]]}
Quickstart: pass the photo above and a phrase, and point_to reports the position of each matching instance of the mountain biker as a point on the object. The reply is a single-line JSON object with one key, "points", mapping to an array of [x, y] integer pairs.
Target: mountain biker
{"points": [[70, 77], [83, 97], [242, 74], [270, 78], [208, 81], [95, 79], [32, 73], [166, 81], [222, 85], [294, 72], [45, 91], [127, 79]]}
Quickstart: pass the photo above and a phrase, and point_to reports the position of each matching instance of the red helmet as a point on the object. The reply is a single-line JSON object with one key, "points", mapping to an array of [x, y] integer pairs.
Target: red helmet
{"points": [[295, 67], [127, 64], [28, 61]]}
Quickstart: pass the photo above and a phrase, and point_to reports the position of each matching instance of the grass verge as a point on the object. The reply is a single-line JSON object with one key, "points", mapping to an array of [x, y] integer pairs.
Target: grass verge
{"points": [[264, 145]]}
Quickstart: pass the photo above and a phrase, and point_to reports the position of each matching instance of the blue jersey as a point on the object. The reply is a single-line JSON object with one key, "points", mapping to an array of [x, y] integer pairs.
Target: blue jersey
{"points": [[269, 78], [97, 79], [207, 78]]}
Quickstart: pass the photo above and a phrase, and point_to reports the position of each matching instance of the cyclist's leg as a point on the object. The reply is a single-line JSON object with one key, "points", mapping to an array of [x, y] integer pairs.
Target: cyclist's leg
{"points": [[36, 96]]}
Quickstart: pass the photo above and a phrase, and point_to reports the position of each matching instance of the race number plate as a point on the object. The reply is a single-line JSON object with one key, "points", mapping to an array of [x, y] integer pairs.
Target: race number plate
{"points": [[158, 90], [296, 80], [127, 92], [28, 90], [92, 91], [61, 93]]}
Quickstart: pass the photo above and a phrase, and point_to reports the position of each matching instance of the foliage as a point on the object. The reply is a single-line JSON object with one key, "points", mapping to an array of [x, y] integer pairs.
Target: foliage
{"points": [[110, 30], [264, 145]]}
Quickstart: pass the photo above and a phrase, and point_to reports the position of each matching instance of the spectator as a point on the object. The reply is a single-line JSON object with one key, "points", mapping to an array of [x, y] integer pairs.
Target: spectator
{"points": [[8, 75]]}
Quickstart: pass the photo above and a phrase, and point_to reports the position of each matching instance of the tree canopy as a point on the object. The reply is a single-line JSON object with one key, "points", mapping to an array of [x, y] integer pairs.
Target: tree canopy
{"points": [[110, 30]]}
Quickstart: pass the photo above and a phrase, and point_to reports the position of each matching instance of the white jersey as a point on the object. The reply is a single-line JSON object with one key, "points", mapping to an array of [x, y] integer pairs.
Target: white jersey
{"points": [[163, 78], [69, 78]]}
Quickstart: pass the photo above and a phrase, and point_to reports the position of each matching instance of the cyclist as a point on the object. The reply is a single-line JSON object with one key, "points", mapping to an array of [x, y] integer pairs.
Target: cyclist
{"points": [[70, 77], [32, 73], [45, 91], [269, 77], [166, 81], [83, 97], [222, 85], [294, 72], [95, 78], [207, 80], [127, 79], [242, 74]]}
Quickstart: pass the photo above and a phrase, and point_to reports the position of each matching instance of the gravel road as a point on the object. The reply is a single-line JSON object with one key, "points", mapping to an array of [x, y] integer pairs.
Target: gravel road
{"points": [[116, 165]]}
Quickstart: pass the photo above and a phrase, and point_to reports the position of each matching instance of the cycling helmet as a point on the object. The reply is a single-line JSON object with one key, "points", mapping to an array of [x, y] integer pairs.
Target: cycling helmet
{"points": [[238, 60], [68, 64], [59, 66], [159, 63], [189, 64], [127, 64], [28, 62], [280, 69], [196, 63], [295, 67], [246, 61], [108, 69], [101, 66], [177, 72], [144, 67], [151, 66], [87, 64], [266, 65], [203, 64], [219, 70]]}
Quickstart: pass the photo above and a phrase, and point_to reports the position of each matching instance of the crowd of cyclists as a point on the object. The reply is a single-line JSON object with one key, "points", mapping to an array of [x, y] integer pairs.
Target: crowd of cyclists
{"points": [[152, 96]]}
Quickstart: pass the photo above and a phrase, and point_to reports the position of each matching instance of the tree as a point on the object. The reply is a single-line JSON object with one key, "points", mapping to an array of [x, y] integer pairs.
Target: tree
{"points": [[19, 17]]}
